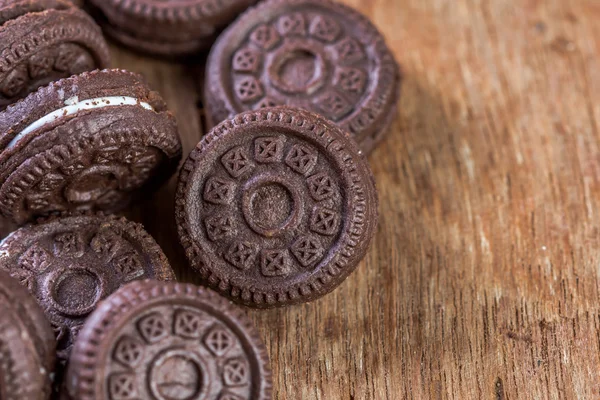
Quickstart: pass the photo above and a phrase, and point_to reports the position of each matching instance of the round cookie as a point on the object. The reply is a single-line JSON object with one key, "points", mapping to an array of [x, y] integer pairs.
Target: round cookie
{"points": [[71, 263], [89, 142], [166, 341], [167, 28], [317, 55], [43, 41], [31, 316], [26, 345], [275, 207]]}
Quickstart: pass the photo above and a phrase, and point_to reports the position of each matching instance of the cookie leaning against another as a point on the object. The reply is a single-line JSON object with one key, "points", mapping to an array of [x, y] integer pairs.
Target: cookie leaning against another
{"points": [[166, 28], [88, 142], [71, 263], [317, 55], [163, 340], [276, 207], [27, 344], [42, 41]]}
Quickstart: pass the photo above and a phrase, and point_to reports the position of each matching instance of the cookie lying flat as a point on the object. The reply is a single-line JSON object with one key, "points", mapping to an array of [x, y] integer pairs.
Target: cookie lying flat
{"points": [[26, 345], [167, 28], [69, 264], [42, 41], [314, 54], [154, 340], [89, 142], [275, 207]]}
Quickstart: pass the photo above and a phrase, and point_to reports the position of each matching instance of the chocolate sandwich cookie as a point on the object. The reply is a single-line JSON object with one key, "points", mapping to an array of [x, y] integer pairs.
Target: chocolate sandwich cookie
{"points": [[167, 341], [167, 28], [26, 345], [313, 54], [71, 263], [89, 142], [275, 207], [42, 41]]}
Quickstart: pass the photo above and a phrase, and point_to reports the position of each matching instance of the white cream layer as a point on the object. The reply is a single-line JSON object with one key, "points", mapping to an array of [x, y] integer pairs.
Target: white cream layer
{"points": [[73, 106]]}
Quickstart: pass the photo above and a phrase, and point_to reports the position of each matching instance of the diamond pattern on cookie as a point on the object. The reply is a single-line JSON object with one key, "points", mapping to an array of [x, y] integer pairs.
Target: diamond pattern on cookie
{"points": [[128, 351], [350, 80], [265, 36], [246, 60], [237, 162], [275, 262], [218, 227], [292, 24], [301, 159], [324, 221], [249, 89], [218, 341], [268, 149], [241, 255], [153, 328], [218, 190], [321, 186], [333, 105], [325, 28], [307, 250], [236, 372]]}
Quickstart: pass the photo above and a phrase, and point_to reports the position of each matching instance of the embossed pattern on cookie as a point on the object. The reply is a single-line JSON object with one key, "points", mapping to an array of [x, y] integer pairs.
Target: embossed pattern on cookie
{"points": [[168, 341], [317, 55], [90, 142], [275, 207], [41, 47], [70, 264]]}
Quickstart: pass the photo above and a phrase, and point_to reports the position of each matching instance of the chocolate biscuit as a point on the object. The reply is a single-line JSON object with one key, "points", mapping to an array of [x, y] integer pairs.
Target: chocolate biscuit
{"points": [[94, 141], [318, 55], [275, 207], [42, 41], [166, 28], [155, 340], [71, 263]]}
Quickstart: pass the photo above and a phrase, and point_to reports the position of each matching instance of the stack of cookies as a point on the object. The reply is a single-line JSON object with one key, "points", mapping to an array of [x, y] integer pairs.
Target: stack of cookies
{"points": [[275, 206]]}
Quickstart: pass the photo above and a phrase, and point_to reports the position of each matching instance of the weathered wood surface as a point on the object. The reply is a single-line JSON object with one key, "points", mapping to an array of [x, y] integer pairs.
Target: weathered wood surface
{"points": [[483, 280]]}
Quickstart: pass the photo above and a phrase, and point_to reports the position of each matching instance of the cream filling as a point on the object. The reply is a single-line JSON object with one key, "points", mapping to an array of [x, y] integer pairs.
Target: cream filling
{"points": [[73, 106]]}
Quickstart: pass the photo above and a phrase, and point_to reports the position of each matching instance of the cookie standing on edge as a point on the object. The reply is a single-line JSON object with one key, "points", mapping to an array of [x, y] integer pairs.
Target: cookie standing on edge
{"points": [[313, 54], [70, 264], [275, 207], [43, 41], [167, 28], [153, 340], [27, 345], [89, 142]]}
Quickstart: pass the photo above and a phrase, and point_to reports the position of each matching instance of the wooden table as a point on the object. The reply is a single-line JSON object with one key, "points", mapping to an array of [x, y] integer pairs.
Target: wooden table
{"points": [[483, 280]]}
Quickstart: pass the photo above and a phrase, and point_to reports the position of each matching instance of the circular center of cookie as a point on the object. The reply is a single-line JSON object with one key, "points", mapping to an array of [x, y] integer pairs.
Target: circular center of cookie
{"points": [[91, 185], [76, 291], [270, 206], [298, 68], [177, 375]]}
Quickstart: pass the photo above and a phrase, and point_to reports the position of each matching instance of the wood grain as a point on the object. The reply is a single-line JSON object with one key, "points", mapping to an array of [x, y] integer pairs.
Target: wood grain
{"points": [[483, 280]]}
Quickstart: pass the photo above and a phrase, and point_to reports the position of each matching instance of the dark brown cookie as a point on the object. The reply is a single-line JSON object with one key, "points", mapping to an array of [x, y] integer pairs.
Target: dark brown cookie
{"points": [[32, 317], [73, 262], [167, 28], [276, 207], [89, 142], [42, 41], [168, 341], [314, 54], [26, 345]]}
